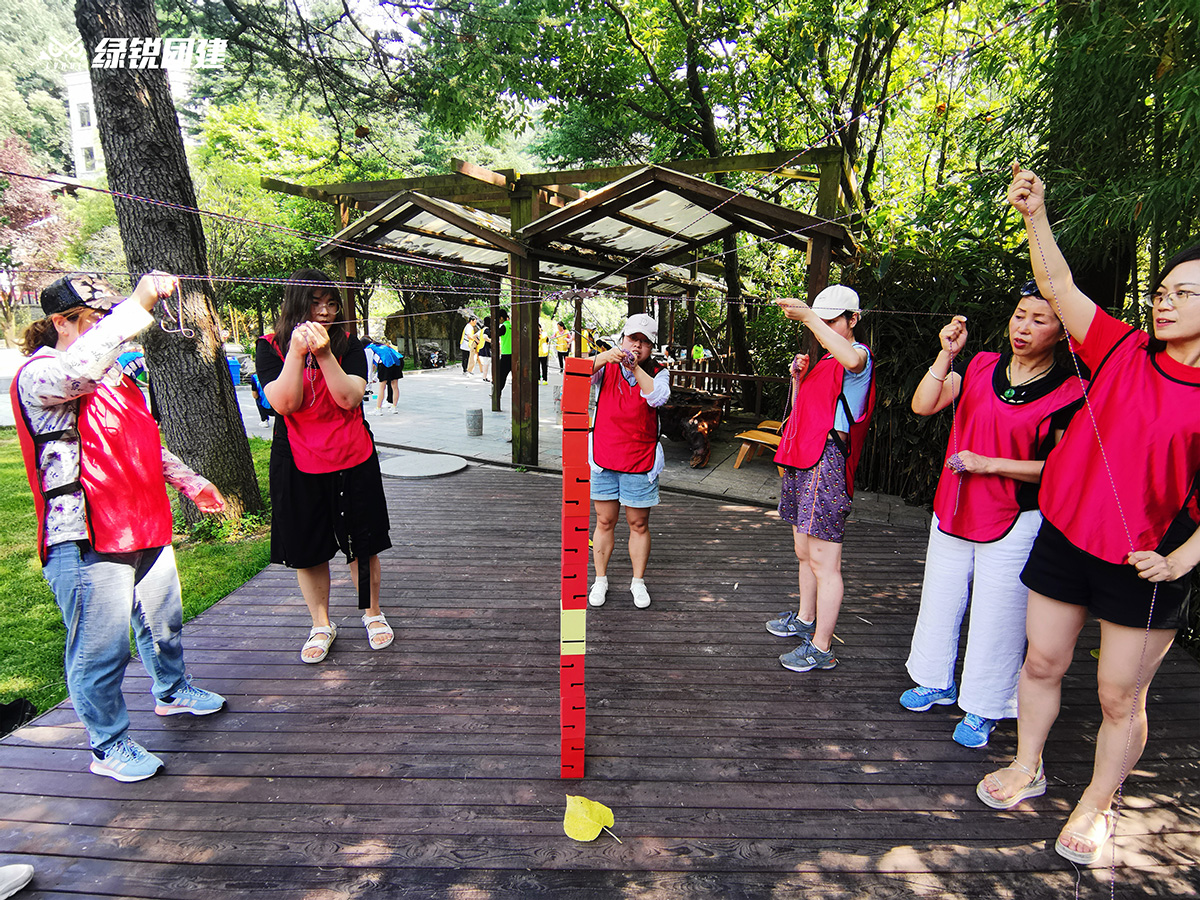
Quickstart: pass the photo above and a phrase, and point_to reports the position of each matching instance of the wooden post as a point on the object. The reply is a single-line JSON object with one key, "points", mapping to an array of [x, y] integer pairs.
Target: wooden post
{"points": [[578, 325], [635, 291], [524, 322], [346, 273], [494, 335]]}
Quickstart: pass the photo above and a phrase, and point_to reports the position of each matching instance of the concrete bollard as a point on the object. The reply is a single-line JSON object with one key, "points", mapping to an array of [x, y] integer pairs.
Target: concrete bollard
{"points": [[474, 422]]}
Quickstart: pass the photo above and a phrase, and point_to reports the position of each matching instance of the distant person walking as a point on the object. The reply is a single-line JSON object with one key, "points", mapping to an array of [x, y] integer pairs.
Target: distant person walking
{"points": [[562, 345], [466, 344], [389, 366], [544, 353], [504, 332]]}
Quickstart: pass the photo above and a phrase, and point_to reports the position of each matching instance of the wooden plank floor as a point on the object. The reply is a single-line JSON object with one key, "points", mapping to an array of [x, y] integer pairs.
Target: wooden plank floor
{"points": [[431, 770]]}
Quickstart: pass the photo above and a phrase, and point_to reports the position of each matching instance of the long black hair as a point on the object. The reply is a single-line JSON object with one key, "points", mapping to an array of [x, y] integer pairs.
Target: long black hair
{"points": [[297, 308], [1187, 255]]}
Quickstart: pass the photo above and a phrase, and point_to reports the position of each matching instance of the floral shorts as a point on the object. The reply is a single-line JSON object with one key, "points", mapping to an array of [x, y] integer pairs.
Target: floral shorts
{"points": [[815, 500]]}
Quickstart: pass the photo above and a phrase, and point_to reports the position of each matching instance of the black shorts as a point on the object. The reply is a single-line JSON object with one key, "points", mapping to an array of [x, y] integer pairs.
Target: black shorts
{"points": [[315, 516], [1113, 592], [389, 373]]}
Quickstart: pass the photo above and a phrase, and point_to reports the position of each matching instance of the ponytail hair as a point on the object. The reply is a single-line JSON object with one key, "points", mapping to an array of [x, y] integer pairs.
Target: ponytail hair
{"points": [[41, 333]]}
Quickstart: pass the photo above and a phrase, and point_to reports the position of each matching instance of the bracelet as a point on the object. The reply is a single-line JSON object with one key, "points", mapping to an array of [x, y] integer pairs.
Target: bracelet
{"points": [[936, 377]]}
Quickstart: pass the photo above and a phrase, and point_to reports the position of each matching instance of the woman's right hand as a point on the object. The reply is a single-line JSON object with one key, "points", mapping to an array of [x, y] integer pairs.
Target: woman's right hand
{"points": [[1026, 193], [953, 337]]}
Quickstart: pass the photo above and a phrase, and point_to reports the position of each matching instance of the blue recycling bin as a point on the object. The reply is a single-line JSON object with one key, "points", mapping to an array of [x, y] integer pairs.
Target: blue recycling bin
{"points": [[235, 369]]}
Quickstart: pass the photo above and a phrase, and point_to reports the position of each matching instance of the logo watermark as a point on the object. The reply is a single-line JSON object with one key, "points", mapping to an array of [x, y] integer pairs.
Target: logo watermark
{"points": [[160, 53], [64, 55]]}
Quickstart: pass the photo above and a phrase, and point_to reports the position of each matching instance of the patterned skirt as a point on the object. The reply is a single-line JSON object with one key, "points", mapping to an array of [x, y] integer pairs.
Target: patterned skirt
{"points": [[815, 500]]}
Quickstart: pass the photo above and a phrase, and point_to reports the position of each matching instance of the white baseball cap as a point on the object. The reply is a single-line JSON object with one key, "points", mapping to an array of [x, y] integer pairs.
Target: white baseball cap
{"points": [[835, 300], [640, 323]]}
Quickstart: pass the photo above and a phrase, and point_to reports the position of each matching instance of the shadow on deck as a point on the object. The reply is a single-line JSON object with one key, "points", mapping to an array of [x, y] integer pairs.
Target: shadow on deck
{"points": [[431, 769]]}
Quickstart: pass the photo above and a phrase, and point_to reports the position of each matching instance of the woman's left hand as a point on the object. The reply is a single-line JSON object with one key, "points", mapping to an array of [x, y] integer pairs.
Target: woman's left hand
{"points": [[318, 338], [1156, 567], [209, 500], [971, 462]]}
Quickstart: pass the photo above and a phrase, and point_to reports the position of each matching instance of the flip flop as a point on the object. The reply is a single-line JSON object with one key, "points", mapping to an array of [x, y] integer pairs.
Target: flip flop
{"points": [[320, 637], [1091, 857], [378, 638], [1035, 787]]}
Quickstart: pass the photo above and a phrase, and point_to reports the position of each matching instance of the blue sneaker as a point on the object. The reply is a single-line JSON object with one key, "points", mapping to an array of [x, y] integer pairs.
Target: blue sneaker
{"points": [[919, 699], [126, 760], [973, 731], [190, 699], [806, 657], [788, 624]]}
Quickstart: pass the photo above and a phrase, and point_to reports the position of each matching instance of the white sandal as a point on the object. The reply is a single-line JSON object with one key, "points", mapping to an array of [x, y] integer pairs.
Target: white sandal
{"points": [[320, 638], [1081, 834], [1034, 787], [379, 637]]}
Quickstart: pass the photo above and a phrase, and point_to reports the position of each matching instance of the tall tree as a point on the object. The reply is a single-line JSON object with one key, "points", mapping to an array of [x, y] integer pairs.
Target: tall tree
{"points": [[144, 156]]}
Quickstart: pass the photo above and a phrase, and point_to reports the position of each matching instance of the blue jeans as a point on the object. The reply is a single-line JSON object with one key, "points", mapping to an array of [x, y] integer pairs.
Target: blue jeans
{"points": [[101, 596]]}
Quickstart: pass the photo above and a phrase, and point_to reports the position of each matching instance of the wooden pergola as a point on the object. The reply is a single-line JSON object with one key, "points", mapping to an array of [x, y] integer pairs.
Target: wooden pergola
{"points": [[645, 233]]}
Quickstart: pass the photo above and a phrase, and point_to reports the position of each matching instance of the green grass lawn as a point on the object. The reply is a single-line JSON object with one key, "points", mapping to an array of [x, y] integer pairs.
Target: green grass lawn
{"points": [[31, 628]]}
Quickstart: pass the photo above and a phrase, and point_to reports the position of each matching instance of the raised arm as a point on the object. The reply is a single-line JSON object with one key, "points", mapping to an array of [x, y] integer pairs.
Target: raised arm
{"points": [[851, 358], [1027, 195], [939, 386]]}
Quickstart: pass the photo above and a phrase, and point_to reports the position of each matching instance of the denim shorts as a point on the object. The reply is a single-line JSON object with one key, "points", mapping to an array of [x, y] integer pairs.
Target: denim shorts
{"points": [[633, 489]]}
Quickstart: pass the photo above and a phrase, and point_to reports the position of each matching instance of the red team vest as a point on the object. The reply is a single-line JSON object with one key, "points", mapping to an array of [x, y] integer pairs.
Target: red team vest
{"points": [[987, 505], [324, 437], [120, 469], [625, 434], [808, 427], [1147, 411]]}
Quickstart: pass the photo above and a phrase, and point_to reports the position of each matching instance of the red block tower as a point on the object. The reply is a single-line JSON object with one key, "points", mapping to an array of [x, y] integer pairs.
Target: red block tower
{"points": [[577, 386]]}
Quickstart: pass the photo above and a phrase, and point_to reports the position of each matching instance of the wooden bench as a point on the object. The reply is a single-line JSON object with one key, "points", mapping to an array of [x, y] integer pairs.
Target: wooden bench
{"points": [[756, 440]]}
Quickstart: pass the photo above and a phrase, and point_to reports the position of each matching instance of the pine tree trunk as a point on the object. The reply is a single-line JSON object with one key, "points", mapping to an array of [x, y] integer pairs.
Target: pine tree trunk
{"points": [[144, 155]]}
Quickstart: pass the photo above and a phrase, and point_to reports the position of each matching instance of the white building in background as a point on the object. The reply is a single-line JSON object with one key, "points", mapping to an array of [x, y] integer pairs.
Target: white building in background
{"points": [[81, 111]]}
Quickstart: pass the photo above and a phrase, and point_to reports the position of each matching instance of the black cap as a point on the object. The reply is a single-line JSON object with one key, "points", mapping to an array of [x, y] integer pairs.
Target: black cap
{"points": [[1030, 289], [79, 290]]}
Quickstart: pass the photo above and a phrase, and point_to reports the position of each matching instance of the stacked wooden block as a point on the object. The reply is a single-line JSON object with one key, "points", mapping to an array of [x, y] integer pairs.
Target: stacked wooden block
{"points": [[577, 384]]}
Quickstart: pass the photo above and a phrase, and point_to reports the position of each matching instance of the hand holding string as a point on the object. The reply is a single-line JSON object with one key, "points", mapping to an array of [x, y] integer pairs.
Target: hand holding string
{"points": [[152, 287], [953, 337], [1026, 193]]}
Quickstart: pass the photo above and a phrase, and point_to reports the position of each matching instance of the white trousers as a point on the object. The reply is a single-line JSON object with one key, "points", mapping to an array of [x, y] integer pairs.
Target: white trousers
{"points": [[989, 577]]}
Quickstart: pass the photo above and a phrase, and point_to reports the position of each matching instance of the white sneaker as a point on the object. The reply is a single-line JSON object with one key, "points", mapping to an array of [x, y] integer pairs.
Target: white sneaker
{"points": [[14, 877], [599, 593], [641, 596]]}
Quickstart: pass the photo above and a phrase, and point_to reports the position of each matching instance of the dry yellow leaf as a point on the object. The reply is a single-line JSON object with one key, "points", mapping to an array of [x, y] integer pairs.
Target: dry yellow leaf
{"points": [[585, 819]]}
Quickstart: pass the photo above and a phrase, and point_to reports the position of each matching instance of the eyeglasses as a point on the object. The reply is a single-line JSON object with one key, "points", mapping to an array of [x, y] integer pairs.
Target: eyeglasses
{"points": [[1175, 298], [331, 305]]}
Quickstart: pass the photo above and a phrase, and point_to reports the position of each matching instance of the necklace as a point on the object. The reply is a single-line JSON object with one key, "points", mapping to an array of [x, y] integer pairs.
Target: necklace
{"points": [[1011, 390]]}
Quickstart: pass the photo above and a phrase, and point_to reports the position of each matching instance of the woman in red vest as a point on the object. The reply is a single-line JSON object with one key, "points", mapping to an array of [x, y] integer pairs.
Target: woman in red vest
{"points": [[625, 455], [326, 487], [1010, 409], [820, 447], [98, 471], [1118, 498]]}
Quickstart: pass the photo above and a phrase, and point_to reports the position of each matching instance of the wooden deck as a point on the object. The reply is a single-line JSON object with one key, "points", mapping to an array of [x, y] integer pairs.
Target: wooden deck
{"points": [[431, 769]]}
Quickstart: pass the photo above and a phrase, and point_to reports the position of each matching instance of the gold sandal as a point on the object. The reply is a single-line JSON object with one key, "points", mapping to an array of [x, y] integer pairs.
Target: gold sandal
{"points": [[1035, 787]]}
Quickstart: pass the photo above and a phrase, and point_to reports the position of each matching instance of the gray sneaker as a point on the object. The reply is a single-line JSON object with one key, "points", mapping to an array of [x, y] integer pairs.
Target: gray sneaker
{"points": [[806, 657], [788, 624]]}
